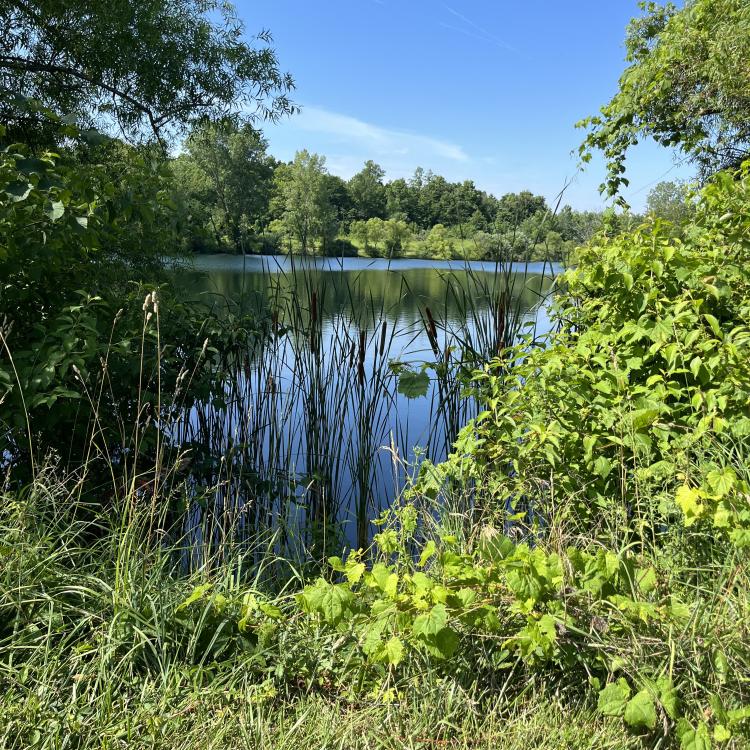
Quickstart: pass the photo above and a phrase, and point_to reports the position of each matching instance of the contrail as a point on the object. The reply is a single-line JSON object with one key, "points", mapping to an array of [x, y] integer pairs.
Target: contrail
{"points": [[486, 35]]}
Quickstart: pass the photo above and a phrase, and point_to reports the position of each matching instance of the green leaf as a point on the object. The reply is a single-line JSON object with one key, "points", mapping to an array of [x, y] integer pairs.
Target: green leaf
{"points": [[54, 210], [196, 595], [432, 622], [494, 546], [695, 739], [18, 190], [603, 467], [332, 601], [613, 698], [427, 552], [354, 571], [714, 323], [386, 580], [413, 384], [668, 697], [721, 482], [387, 541], [640, 712], [270, 610], [394, 651], [647, 580], [641, 418], [721, 733], [688, 500]]}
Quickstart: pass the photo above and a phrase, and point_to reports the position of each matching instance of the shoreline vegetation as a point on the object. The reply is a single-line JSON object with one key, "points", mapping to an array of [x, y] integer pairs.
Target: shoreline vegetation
{"points": [[573, 570]]}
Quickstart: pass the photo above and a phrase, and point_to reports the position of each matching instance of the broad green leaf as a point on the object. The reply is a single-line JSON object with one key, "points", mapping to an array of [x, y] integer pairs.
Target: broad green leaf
{"points": [[494, 546], [613, 698], [332, 601], [721, 482], [430, 623], [386, 580], [640, 712], [647, 580], [18, 190], [714, 323], [721, 733], [427, 552], [641, 418], [387, 541], [736, 715], [696, 739], [689, 501], [413, 384], [394, 651], [603, 467], [668, 697], [54, 210], [196, 595], [442, 644], [354, 571], [270, 610]]}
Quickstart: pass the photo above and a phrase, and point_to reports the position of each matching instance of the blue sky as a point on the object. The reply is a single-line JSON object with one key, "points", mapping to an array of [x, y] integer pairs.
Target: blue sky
{"points": [[472, 89]]}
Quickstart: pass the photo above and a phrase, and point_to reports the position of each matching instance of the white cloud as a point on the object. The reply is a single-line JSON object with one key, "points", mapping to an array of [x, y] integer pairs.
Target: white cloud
{"points": [[380, 142]]}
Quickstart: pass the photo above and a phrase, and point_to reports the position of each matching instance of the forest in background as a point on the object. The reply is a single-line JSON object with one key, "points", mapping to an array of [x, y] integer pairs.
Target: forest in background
{"points": [[234, 197]]}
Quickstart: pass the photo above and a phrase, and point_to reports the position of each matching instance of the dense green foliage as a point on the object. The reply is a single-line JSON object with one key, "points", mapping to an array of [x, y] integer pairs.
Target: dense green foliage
{"points": [[583, 550], [223, 181], [175, 63], [590, 532], [231, 203], [86, 220], [687, 86], [649, 365]]}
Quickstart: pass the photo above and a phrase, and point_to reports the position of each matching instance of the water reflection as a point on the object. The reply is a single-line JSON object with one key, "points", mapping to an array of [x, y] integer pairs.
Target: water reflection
{"points": [[316, 427]]}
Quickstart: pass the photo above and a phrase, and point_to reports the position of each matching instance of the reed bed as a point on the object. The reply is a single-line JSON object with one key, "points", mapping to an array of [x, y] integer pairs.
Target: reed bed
{"points": [[311, 437]]}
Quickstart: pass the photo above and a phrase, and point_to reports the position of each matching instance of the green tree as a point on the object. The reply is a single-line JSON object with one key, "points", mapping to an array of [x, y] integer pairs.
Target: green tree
{"points": [[360, 232], [376, 231], [401, 200], [515, 208], [145, 69], [397, 234], [439, 242], [340, 200], [670, 201], [368, 192], [226, 171], [686, 86], [302, 189]]}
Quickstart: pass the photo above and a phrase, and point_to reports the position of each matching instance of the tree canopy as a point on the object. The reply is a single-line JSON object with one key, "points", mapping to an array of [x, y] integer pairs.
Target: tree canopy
{"points": [[686, 86], [224, 177], [138, 69]]}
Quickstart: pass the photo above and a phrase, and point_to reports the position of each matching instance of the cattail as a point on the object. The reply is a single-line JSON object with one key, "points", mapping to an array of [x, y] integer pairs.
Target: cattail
{"points": [[382, 337], [431, 329], [361, 362]]}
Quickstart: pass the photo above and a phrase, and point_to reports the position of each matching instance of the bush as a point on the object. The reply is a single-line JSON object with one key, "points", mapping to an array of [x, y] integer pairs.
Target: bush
{"points": [[439, 242]]}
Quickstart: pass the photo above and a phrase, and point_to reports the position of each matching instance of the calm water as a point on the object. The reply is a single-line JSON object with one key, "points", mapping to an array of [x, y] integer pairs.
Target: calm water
{"points": [[317, 413]]}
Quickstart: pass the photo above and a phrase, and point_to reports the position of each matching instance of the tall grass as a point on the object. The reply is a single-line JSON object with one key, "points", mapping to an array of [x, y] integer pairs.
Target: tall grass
{"points": [[308, 431]]}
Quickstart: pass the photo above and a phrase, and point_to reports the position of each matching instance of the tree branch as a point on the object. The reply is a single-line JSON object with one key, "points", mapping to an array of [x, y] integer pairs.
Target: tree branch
{"points": [[32, 66]]}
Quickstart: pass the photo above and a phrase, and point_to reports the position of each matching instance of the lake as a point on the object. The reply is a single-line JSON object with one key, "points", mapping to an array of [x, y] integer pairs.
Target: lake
{"points": [[322, 424]]}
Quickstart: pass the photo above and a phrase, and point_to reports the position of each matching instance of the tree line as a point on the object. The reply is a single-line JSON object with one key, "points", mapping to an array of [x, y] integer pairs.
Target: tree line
{"points": [[235, 197]]}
